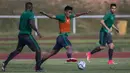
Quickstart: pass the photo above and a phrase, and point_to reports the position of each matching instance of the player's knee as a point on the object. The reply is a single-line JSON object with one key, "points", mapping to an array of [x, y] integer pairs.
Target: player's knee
{"points": [[67, 47], [102, 47], [111, 46]]}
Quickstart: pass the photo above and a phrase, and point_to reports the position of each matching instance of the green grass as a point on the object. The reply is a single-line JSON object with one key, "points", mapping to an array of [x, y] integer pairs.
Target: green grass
{"points": [[78, 45], [59, 66]]}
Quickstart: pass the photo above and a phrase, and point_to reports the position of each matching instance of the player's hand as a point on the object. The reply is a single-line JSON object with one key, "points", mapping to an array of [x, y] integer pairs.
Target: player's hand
{"points": [[43, 13], [88, 11], [117, 31], [39, 35], [109, 30]]}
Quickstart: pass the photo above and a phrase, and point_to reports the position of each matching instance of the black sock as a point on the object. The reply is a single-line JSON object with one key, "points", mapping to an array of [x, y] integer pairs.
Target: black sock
{"points": [[38, 59], [42, 61], [97, 49], [11, 56], [69, 55], [110, 53]]}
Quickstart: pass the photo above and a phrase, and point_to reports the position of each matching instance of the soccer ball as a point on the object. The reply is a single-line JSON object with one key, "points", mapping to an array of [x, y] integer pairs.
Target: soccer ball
{"points": [[81, 65]]}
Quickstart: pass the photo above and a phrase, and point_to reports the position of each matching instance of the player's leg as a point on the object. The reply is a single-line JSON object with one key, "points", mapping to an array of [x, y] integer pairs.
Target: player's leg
{"points": [[48, 55], [33, 45], [102, 42], [67, 44], [111, 47], [69, 54], [54, 51], [14, 53]]}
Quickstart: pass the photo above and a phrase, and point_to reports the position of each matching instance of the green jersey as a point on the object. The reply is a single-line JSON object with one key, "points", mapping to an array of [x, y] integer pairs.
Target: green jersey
{"points": [[24, 25], [109, 20]]}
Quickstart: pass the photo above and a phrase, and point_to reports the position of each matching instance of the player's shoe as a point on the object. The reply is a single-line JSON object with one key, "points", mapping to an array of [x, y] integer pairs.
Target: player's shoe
{"points": [[88, 54], [39, 69], [71, 60], [111, 62], [3, 67]]}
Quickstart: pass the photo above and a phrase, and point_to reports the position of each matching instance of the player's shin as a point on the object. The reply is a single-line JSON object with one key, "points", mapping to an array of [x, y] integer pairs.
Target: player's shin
{"points": [[11, 56], [97, 49], [110, 53], [38, 60], [69, 55], [69, 52]]}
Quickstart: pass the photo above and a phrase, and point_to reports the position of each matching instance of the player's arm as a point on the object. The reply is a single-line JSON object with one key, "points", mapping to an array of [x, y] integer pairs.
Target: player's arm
{"points": [[83, 13], [32, 23], [106, 17], [114, 26], [104, 25], [48, 15]]}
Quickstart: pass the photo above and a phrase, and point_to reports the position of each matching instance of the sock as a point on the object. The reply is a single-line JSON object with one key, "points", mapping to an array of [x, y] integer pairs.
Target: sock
{"points": [[38, 59], [110, 53], [69, 52], [97, 49]]}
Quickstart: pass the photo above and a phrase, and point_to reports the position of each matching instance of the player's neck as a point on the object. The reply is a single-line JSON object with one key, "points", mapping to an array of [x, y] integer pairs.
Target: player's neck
{"points": [[67, 17], [112, 12], [28, 10]]}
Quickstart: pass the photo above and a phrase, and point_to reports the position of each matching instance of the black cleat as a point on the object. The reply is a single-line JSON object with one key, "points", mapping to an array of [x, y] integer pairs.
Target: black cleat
{"points": [[39, 70], [3, 67]]}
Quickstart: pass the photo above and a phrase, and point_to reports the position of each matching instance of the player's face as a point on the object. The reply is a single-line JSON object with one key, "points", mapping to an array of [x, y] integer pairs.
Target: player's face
{"points": [[68, 13], [113, 9], [30, 7]]}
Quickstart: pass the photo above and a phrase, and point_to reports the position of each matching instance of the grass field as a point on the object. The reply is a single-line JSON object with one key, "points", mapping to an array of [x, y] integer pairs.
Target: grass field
{"points": [[121, 45], [97, 65]]}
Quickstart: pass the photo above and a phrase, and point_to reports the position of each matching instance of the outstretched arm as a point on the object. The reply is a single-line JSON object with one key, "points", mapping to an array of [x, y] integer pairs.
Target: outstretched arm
{"points": [[83, 13], [48, 15]]}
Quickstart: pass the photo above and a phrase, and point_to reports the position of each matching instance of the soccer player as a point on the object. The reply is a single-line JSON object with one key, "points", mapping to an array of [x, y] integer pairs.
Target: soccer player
{"points": [[64, 27], [105, 34], [25, 37]]}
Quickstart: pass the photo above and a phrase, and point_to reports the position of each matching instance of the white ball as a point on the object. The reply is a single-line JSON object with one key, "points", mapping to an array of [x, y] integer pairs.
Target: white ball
{"points": [[81, 65]]}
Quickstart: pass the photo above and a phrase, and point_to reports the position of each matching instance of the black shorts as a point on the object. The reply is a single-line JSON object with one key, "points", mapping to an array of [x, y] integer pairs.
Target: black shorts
{"points": [[61, 41], [105, 38], [25, 39]]}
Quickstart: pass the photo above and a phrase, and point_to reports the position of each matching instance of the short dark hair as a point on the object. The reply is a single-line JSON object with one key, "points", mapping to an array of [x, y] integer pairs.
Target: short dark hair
{"points": [[28, 3], [68, 8], [113, 4]]}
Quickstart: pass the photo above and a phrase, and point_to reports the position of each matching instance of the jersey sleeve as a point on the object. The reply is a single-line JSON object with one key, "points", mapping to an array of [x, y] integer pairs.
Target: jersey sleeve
{"points": [[106, 16], [31, 17], [59, 17]]}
